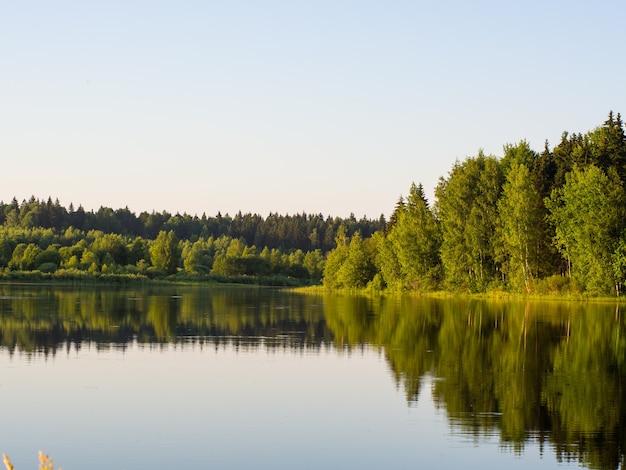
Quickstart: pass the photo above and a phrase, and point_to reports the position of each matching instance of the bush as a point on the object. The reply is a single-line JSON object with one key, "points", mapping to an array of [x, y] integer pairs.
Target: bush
{"points": [[155, 273], [558, 285], [50, 255], [47, 267]]}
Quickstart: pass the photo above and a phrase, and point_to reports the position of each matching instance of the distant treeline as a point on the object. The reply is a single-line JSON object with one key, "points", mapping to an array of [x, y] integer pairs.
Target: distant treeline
{"points": [[44, 239], [299, 231], [531, 222]]}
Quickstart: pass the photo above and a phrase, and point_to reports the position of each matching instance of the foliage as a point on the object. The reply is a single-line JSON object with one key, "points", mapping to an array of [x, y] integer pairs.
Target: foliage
{"points": [[416, 241], [306, 232], [548, 223], [520, 228], [357, 268], [335, 260], [527, 222], [467, 210], [76, 255], [587, 213], [164, 252]]}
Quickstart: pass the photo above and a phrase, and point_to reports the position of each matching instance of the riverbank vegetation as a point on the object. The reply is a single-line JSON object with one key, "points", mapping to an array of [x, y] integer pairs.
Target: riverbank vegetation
{"points": [[42, 240], [528, 222], [549, 222]]}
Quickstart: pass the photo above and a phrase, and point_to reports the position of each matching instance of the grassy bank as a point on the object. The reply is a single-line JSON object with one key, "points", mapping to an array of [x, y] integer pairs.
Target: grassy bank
{"points": [[489, 295], [82, 277]]}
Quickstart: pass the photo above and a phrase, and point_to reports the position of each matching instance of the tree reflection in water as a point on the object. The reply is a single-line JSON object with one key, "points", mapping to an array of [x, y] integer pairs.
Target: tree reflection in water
{"points": [[547, 372]]}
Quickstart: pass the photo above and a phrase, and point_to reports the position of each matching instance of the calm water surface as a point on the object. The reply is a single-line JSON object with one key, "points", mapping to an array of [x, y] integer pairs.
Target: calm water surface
{"points": [[191, 377]]}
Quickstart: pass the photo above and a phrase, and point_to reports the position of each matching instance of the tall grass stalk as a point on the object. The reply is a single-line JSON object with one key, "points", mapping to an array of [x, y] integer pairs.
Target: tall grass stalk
{"points": [[45, 462]]}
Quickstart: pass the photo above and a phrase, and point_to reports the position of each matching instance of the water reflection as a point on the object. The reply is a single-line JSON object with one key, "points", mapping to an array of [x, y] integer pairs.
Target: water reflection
{"points": [[36, 319], [542, 372], [550, 373]]}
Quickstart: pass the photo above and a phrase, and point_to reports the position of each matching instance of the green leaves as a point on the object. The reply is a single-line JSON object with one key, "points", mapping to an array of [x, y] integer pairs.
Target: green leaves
{"points": [[164, 252], [467, 210], [520, 212], [415, 240], [349, 266], [587, 214]]}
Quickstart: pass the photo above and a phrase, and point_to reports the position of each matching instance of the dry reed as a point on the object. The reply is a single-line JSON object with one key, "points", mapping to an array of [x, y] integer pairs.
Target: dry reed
{"points": [[45, 462]]}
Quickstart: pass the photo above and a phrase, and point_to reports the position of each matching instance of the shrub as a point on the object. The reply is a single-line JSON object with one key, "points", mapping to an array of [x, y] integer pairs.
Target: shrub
{"points": [[47, 267]]}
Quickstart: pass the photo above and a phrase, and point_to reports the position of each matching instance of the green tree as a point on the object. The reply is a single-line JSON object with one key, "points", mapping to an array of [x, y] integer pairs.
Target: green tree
{"points": [[24, 257], [399, 209], [198, 259], [29, 257], [543, 173], [15, 263], [416, 241], [520, 209], [88, 259], [467, 210], [314, 264], [6, 249], [387, 262], [137, 250], [165, 252], [113, 244], [520, 153], [357, 269], [49, 256], [609, 145], [587, 213], [335, 260]]}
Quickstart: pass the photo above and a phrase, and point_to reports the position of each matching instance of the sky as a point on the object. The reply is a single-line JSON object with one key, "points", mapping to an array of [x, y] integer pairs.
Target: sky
{"points": [[324, 107]]}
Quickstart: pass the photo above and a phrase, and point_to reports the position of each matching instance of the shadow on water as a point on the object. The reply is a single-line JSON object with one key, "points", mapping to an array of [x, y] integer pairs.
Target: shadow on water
{"points": [[550, 373]]}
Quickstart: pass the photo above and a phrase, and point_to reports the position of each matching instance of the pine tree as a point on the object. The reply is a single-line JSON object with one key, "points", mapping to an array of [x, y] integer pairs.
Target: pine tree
{"points": [[416, 240]]}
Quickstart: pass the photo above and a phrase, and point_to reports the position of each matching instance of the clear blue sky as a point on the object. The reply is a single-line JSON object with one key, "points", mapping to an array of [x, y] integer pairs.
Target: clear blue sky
{"points": [[325, 107]]}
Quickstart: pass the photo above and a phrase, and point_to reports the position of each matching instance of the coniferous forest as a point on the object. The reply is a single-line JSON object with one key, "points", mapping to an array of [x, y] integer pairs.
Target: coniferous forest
{"points": [[531, 222]]}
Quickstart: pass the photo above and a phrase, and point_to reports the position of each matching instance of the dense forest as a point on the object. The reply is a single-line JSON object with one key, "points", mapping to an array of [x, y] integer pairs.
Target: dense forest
{"points": [[44, 239], [526, 222]]}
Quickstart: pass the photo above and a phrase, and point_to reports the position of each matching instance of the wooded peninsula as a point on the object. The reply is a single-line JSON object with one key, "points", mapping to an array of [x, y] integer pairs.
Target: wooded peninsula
{"points": [[528, 222]]}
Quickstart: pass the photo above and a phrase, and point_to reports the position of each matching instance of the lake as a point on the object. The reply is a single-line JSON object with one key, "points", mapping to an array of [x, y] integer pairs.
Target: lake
{"points": [[243, 377]]}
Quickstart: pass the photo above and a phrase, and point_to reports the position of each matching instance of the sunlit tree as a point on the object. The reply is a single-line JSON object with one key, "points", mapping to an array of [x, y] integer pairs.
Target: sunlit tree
{"points": [[165, 253]]}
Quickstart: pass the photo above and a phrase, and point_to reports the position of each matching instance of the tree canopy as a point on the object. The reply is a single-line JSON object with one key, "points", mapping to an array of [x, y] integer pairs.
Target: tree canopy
{"points": [[528, 222]]}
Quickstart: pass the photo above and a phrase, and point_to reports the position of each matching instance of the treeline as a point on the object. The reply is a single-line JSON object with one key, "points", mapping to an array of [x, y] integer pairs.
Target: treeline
{"points": [[299, 231], [44, 237], [532, 222]]}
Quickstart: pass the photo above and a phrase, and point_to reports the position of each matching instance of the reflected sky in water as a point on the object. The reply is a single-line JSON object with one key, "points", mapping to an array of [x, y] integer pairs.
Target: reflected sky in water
{"points": [[231, 378], [182, 406]]}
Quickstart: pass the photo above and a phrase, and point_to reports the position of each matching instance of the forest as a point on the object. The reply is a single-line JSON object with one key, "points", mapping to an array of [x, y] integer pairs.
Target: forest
{"points": [[528, 222], [549, 222], [44, 240]]}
